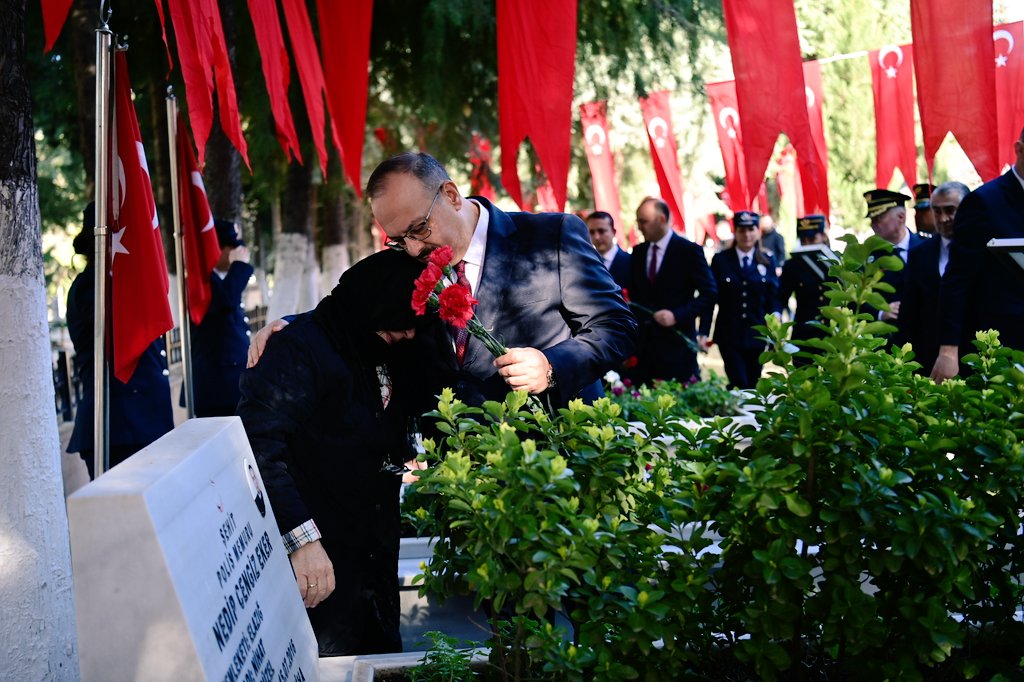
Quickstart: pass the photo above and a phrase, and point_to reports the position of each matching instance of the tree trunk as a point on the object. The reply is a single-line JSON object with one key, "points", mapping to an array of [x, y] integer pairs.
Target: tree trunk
{"points": [[81, 34], [223, 172], [37, 632], [293, 250], [336, 221]]}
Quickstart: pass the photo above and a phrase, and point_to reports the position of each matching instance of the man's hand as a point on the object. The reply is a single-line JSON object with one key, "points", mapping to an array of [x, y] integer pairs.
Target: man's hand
{"points": [[666, 318], [314, 573], [893, 313], [524, 369], [239, 253], [703, 344], [947, 364], [258, 342]]}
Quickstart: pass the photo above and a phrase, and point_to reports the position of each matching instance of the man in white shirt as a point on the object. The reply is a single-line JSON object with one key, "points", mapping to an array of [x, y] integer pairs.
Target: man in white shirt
{"points": [[601, 227]]}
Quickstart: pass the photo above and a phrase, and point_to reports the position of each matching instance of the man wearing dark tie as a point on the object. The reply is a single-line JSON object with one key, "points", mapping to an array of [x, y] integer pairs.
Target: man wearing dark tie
{"points": [[671, 279], [980, 292], [601, 227], [888, 215], [919, 310]]}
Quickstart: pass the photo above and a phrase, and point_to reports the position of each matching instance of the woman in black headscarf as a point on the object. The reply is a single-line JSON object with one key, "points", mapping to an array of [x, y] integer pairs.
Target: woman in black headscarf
{"points": [[328, 428]]}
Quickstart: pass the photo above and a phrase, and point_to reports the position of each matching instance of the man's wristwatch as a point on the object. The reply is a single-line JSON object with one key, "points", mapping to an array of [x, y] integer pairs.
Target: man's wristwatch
{"points": [[552, 382]]}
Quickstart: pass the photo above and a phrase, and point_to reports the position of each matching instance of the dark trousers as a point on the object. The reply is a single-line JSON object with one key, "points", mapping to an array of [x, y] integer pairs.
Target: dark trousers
{"points": [[742, 365]]}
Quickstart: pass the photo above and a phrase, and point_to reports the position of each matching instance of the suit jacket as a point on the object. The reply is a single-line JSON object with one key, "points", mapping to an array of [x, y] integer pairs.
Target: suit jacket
{"points": [[919, 309], [140, 411], [798, 278], [543, 286], [620, 269], [897, 278], [685, 286], [979, 291], [744, 298], [220, 344]]}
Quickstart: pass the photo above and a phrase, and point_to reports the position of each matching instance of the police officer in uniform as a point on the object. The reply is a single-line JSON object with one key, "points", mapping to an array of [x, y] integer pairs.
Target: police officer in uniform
{"points": [[747, 291], [888, 215], [807, 281], [140, 411], [220, 343], [924, 219]]}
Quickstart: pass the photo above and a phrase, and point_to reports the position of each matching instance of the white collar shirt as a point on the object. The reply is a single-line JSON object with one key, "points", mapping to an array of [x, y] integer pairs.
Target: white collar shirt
{"points": [[662, 244]]}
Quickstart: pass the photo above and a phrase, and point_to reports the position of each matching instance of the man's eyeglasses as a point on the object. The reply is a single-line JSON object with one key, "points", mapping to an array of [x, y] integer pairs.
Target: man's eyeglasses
{"points": [[418, 232]]}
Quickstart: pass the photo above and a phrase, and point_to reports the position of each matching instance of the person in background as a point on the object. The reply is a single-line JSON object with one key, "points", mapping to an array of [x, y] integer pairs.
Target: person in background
{"points": [[772, 242], [924, 219], [747, 291], [670, 279], [888, 216], [806, 280], [328, 427], [979, 291], [926, 265], [140, 411], [601, 227], [220, 342]]}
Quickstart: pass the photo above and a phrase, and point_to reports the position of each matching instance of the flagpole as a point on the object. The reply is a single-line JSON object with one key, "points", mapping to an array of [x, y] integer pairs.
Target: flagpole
{"points": [[101, 415], [179, 255]]}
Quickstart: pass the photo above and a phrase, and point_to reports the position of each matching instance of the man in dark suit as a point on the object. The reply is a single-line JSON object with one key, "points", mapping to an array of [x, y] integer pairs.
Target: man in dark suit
{"points": [[601, 227], [542, 289], [220, 342], [919, 310], [924, 219], [806, 280], [888, 215], [140, 410], [672, 280], [978, 291]]}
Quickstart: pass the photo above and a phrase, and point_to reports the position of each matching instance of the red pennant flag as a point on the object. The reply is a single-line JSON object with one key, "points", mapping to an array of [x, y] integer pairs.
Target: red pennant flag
{"points": [[140, 309], [536, 54], [594, 117], [163, 34], [1009, 88], [726, 115], [55, 13], [203, 55], [276, 72], [892, 73], [311, 75], [815, 97], [953, 52], [480, 177], [202, 250], [658, 121], [770, 85], [346, 69]]}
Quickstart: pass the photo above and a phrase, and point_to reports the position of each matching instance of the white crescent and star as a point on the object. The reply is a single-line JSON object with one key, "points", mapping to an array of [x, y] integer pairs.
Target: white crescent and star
{"points": [[658, 123], [890, 71], [596, 138], [1003, 34], [197, 181], [809, 96], [729, 119]]}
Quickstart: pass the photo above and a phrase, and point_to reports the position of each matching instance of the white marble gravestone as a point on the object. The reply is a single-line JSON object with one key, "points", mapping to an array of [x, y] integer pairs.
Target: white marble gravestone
{"points": [[179, 568]]}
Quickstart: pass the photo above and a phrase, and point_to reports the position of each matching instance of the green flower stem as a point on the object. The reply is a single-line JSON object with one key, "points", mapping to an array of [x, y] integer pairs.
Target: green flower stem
{"points": [[689, 342]]}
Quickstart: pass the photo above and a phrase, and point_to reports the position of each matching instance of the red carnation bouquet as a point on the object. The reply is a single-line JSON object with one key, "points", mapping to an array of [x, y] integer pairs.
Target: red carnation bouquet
{"points": [[436, 289]]}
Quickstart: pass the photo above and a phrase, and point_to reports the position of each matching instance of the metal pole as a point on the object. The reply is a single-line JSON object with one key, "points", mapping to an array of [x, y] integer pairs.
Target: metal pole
{"points": [[179, 255], [101, 416]]}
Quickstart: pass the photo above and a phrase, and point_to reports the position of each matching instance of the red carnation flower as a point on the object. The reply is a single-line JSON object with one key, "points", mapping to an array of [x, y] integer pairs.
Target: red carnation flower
{"points": [[630, 362], [456, 305], [441, 257], [625, 294], [424, 287]]}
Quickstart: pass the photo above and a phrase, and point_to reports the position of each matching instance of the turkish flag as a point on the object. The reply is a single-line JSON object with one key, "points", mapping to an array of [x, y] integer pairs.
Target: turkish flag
{"points": [[311, 76], [1009, 47], [55, 13], [203, 55], [815, 97], [594, 117], [202, 250], [480, 177], [140, 311], [730, 139], [276, 72], [953, 53], [770, 87], [789, 181], [892, 82], [346, 70], [658, 121], [536, 54]]}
